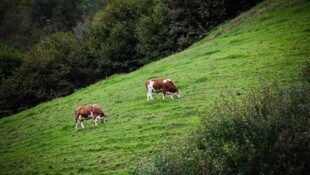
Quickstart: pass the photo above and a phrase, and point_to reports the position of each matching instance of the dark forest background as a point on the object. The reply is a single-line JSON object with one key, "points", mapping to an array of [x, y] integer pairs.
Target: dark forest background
{"points": [[50, 48]]}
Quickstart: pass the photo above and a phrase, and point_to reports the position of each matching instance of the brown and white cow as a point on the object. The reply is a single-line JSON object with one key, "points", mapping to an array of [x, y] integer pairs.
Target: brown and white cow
{"points": [[161, 85], [87, 112]]}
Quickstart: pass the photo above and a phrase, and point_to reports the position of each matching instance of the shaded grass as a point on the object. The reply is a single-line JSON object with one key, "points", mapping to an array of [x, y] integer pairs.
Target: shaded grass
{"points": [[269, 42]]}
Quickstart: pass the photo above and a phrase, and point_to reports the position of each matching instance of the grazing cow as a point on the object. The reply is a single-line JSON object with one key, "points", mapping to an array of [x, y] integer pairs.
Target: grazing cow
{"points": [[161, 85], [87, 112]]}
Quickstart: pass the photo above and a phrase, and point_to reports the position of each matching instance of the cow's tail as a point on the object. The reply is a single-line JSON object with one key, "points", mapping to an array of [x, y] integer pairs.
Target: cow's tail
{"points": [[76, 119], [76, 116], [147, 84]]}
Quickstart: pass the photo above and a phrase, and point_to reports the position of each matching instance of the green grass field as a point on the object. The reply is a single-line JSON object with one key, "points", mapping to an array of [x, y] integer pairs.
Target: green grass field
{"points": [[268, 43]]}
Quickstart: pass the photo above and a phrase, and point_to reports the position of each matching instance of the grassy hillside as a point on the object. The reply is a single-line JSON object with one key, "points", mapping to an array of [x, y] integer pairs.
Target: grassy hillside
{"points": [[269, 42]]}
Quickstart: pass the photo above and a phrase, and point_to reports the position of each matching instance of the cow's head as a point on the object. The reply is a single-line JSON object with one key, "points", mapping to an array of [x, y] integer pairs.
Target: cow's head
{"points": [[103, 119], [177, 94]]}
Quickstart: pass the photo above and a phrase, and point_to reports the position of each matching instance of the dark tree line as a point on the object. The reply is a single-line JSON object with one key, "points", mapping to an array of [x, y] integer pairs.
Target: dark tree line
{"points": [[49, 48]]}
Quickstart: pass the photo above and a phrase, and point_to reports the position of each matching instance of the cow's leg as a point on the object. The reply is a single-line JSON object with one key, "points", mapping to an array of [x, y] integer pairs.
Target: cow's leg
{"points": [[149, 91], [171, 96], [81, 121], [77, 121], [82, 124], [95, 121], [149, 95], [164, 94], [76, 124]]}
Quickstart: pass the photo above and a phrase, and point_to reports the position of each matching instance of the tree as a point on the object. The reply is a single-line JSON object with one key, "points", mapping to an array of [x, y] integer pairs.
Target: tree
{"points": [[152, 34], [56, 15], [10, 60], [16, 29], [113, 35], [190, 20], [51, 69]]}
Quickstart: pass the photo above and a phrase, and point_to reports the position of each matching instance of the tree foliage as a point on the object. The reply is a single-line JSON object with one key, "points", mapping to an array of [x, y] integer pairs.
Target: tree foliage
{"points": [[55, 15], [49, 70], [190, 20], [10, 60], [113, 34], [152, 34], [16, 29]]}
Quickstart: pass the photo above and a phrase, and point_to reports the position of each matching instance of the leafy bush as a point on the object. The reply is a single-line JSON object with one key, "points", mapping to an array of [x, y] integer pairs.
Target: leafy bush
{"points": [[265, 133]]}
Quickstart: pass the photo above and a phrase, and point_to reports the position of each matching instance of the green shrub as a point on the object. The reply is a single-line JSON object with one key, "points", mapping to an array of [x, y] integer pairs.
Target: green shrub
{"points": [[265, 133]]}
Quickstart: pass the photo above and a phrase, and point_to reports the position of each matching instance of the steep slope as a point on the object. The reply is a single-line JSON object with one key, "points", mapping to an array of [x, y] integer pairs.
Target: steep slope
{"points": [[269, 43]]}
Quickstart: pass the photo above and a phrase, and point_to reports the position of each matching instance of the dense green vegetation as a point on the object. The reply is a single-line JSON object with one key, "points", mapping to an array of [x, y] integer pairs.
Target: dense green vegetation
{"points": [[68, 44], [270, 43]]}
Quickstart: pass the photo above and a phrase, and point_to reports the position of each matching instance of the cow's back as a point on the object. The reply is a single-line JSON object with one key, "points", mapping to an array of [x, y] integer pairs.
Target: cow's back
{"points": [[77, 111], [84, 111], [158, 84], [170, 87], [97, 110]]}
